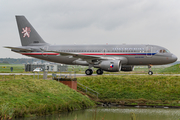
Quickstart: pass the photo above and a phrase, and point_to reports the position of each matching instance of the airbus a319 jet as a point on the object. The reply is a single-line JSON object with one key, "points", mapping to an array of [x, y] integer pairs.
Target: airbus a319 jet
{"points": [[112, 58]]}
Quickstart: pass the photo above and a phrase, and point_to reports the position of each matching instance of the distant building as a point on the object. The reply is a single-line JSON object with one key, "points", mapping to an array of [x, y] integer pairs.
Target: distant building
{"points": [[48, 67]]}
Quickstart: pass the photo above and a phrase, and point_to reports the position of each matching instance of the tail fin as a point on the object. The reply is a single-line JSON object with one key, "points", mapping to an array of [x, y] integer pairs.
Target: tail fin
{"points": [[27, 33]]}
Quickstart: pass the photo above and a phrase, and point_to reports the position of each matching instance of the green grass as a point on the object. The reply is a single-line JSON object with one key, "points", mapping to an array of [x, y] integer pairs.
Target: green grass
{"points": [[175, 69], [17, 68], [133, 89], [25, 96]]}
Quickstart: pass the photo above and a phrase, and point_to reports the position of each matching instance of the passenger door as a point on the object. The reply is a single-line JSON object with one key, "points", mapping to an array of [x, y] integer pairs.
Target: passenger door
{"points": [[149, 50]]}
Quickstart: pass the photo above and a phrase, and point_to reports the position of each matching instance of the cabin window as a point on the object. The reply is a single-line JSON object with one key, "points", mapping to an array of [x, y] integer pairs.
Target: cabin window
{"points": [[130, 49], [142, 49], [127, 50]]}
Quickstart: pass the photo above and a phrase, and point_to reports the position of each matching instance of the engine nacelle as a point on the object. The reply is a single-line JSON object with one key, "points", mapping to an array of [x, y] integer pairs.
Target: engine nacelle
{"points": [[110, 65], [127, 68]]}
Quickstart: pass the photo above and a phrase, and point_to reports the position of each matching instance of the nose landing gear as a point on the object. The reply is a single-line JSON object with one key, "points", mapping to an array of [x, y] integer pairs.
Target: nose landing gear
{"points": [[150, 72]]}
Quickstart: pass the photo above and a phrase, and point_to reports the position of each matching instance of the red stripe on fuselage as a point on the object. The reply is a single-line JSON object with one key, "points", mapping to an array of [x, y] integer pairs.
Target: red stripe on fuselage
{"points": [[40, 53]]}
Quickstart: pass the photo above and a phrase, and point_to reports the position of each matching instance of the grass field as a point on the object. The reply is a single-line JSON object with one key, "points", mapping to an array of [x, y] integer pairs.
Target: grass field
{"points": [[17, 68], [175, 69], [25, 96], [134, 89]]}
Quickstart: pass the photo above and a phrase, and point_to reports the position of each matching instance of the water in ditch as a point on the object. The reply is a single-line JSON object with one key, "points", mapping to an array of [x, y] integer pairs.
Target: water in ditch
{"points": [[114, 114]]}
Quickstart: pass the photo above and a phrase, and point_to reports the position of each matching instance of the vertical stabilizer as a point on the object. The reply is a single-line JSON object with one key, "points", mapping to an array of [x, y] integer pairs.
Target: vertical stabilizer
{"points": [[27, 33]]}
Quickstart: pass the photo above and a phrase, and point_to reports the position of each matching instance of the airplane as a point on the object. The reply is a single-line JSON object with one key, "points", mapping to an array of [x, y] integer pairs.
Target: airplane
{"points": [[111, 58]]}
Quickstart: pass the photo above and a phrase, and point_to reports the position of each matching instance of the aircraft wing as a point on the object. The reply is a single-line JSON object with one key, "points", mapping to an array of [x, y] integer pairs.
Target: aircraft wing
{"points": [[19, 49], [82, 56]]}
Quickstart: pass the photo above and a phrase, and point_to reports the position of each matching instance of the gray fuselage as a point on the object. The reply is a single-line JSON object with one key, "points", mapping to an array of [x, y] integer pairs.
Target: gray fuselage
{"points": [[128, 54]]}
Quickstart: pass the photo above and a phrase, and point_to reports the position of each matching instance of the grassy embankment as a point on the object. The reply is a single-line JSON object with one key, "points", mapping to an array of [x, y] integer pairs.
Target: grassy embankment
{"points": [[136, 90], [25, 96]]}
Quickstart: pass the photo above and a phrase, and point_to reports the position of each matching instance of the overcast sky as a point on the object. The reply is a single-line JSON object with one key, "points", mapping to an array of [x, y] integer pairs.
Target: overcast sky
{"points": [[93, 22]]}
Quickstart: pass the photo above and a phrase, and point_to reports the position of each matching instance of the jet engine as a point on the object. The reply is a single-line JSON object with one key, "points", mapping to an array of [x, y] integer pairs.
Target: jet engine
{"points": [[127, 68], [109, 65]]}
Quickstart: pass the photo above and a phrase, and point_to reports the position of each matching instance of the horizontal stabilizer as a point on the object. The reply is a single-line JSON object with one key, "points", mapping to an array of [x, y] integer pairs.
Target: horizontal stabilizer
{"points": [[19, 49]]}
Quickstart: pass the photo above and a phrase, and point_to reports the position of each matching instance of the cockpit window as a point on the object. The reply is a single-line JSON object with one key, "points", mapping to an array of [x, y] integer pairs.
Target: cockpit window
{"points": [[164, 51], [167, 51]]}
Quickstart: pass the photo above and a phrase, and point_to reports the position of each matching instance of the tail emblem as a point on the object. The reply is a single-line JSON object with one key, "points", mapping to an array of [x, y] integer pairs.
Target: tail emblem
{"points": [[26, 31]]}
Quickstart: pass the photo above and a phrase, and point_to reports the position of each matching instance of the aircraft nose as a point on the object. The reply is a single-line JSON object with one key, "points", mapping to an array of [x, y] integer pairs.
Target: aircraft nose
{"points": [[174, 58]]}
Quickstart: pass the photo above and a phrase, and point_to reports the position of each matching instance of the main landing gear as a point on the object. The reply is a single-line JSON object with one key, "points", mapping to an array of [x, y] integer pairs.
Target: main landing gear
{"points": [[150, 72], [99, 71], [89, 72]]}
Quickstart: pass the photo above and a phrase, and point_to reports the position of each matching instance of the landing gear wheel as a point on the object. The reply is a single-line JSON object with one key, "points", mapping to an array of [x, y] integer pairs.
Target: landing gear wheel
{"points": [[150, 72], [99, 71], [89, 72]]}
